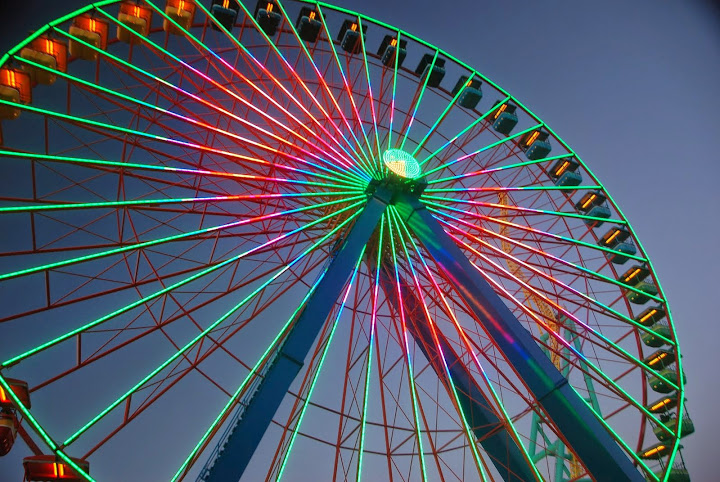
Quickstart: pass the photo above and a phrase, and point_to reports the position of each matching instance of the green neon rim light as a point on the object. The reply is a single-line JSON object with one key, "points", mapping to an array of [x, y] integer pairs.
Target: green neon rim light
{"points": [[401, 163]]}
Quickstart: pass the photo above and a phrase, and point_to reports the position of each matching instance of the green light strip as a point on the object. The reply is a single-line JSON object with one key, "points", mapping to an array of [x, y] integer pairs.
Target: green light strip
{"points": [[406, 350], [497, 169], [442, 115], [417, 104], [296, 429], [368, 368], [525, 210], [518, 188], [345, 82], [370, 93], [543, 233], [392, 108], [192, 342], [192, 456], [556, 335], [356, 173], [174, 237], [489, 146], [433, 327], [194, 122], [276, 81], [152, 296]]}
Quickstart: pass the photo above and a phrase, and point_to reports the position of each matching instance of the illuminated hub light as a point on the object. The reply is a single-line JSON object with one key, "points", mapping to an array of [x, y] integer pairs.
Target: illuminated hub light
{"points": [[401, 163]]}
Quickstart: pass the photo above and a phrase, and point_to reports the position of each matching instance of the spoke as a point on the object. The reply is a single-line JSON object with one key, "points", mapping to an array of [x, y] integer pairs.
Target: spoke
{"points": [[497, 169], [483, 149], [406, 349], [170, 288], [176, 237], [392, 104], [373, 328], [441, 117], [200, 336], [457, 136], [419, 99], [335, 174], [319, 368], [370, 93]]}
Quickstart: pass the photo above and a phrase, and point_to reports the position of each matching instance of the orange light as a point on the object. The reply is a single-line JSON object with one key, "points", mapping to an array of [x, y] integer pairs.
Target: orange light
{"points": [[469, 83], [353, 27], [660, 404], [633, 274], [269, 7], [532, 138], [136, 11], [181, 5], [226, 3], [393, 42], [3, 398], [500, 111], [49, 46], [651, 313], [657, 358], [654, 451], [312, 15], [562, 168], [93, 27], [589, 201], [614, 235]]}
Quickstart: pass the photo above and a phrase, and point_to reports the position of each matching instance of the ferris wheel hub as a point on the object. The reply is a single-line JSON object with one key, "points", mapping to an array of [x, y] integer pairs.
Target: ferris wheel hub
{"points": [[401, 163]]}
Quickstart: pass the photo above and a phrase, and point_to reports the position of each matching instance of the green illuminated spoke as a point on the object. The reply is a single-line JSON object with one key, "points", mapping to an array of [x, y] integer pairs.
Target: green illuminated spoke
{"points": [[177, 237], [202, 334], [515, 188], [441, 117], [394, 89], [276, 81], [468, 346], [243, 140], [419, 99], [524, 210], [315, 377], [498, 169], [174, 286], [619, 390], [406, 351], [346, 85], [531, 230], [483, 149], [371, 341], [459, 134], [370, 93]]}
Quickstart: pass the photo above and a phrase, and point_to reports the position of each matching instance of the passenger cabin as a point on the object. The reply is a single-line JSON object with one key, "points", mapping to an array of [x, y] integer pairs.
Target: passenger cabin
{"points": [[16, 87], [471, 92], [133, 18], [651, 316], [621, 250], [688, 427], [661, 386], [308, 24], [600, 211], [564, 173], [225, 13], [50, 467], [268, 16], [387, 50], [535, 144], [656, 451], [668, 402], [503, 117], [590, 200], [614, 237], [8, 432], [641, 297], [21, 391], [634, 275], [660, 359], [48, 53], [91, 35], [349, 36], [435, 71], [652, 338], [181, 12]]}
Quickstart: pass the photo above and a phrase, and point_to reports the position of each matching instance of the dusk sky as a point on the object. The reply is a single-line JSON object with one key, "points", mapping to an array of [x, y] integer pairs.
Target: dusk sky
{"points": [[634, 88]]}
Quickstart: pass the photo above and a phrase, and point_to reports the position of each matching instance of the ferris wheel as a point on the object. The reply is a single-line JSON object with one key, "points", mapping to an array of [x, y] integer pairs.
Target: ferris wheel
{"points": [[287, 241]]}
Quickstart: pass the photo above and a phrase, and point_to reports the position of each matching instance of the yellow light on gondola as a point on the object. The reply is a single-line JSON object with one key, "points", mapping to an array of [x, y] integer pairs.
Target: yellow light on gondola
{"points": [[660, 404], [650, 314]]}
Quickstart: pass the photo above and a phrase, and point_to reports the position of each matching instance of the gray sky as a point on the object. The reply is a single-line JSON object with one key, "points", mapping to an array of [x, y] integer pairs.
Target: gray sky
{"points": [[633, 88]]}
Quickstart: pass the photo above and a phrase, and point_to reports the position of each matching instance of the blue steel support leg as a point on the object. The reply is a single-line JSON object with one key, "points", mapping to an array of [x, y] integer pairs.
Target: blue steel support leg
{"points": [[585, 434], [261, 408], [480, 416]]}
